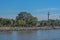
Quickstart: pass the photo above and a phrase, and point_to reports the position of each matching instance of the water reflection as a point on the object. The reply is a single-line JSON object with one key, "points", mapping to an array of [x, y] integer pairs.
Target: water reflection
{"points": [[31, 35]]}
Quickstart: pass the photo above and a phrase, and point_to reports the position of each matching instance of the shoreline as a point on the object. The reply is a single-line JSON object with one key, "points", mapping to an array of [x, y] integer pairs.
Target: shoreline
{"points": [[26, 28]]}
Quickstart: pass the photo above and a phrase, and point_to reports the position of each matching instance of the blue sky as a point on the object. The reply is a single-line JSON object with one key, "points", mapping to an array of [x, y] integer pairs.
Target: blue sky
{"points": [[38, 8]]}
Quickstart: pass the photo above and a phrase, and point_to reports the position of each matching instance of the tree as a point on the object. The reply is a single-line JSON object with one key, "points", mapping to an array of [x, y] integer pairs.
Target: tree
{"points": [[6, 22], [30, 20], [21, 23]]}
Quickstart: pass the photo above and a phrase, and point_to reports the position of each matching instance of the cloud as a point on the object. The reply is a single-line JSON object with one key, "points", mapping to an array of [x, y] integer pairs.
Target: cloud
{"points": [[46, 9], [41, 16], [8, 17], [42, 13], [55, 16], [45, 16]]}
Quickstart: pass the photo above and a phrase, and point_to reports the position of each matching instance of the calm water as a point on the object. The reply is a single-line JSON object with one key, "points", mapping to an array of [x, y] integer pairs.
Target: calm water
{"points": [[31, 35]]}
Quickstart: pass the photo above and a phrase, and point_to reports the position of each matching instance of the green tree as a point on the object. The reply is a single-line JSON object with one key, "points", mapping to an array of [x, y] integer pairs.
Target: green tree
{"points": [[30, 20], [21, 23], [6, 22]]}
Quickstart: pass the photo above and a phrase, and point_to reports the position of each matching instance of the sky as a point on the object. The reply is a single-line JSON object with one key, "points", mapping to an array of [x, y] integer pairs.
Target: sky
{"points": [[38, 8]]}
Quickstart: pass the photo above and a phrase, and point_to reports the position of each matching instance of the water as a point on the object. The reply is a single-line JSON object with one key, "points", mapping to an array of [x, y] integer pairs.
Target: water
{"points": [[31, 35]]}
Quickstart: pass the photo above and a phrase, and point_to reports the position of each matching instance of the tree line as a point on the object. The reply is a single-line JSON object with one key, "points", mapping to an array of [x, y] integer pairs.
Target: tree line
{"points": [[25, 19]]}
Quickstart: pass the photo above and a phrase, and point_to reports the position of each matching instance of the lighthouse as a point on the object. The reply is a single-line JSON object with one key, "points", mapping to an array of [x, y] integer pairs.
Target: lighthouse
{"points": [[48, 16]]}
